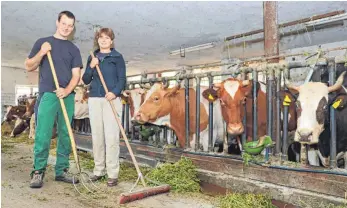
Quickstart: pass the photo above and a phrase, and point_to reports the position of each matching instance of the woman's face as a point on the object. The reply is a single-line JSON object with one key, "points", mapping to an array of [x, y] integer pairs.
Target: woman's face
{"points": [[104, 41]]}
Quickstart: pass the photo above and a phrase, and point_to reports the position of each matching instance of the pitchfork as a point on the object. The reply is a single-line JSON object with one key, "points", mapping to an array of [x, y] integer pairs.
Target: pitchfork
{"points": [[80, 174]]}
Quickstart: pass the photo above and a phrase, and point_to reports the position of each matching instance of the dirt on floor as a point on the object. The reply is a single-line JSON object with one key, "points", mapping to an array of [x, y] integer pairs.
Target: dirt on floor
{"points": [[17, 159]]}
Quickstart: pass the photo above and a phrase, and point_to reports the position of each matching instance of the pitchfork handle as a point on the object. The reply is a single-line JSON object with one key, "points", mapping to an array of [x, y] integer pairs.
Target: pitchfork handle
{"points": [[67, 122], [119, 124]]}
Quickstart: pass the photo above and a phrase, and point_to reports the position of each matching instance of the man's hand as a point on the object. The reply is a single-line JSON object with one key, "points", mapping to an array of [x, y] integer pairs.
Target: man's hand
{"points": [[62, 92], [94, 62], [45, 47], [110, 96]]}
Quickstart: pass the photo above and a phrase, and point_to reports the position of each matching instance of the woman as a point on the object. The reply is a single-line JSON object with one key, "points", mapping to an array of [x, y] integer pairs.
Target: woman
{"points": [[105, 131]]}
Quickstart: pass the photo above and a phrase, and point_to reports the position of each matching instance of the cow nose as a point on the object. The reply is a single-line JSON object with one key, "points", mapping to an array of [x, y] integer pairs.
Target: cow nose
{"points": [[305, 135], [138, 116], [235, 128]]}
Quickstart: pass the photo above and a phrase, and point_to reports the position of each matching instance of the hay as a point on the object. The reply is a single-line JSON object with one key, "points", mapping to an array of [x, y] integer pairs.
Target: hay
{"points": [[6, 128], [181, 176], [238, 200]]}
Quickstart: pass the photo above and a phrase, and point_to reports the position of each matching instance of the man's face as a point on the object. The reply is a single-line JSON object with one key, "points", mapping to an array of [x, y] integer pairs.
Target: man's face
{"points": [[65, 26]]}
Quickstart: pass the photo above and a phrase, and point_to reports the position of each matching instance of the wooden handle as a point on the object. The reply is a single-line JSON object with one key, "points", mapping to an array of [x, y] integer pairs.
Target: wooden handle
{"points": [[67, 121], [119, 124]]}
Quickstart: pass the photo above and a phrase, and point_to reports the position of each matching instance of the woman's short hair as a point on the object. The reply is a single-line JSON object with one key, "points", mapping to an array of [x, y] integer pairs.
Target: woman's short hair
{"points": [[107, 31]]}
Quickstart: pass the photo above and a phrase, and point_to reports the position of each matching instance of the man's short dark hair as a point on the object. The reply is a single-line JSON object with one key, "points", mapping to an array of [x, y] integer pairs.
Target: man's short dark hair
{"points": [[68, 14]]}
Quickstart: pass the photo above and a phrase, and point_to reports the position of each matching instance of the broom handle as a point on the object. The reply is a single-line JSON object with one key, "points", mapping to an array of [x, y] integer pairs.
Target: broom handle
{"points": [[67, 122], [119, 124]]}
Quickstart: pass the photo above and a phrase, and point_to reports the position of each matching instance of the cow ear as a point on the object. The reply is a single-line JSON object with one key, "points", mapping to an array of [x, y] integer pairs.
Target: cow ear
{"points": [[211, 94], [171, 91], [289, 93], [340, 102], [247, 89]]}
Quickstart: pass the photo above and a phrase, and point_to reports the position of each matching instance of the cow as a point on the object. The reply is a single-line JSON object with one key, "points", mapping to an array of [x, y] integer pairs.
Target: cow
{"points": [[81, 113], [232, 94], [313, 122], [165, 106], [134, 97], [21, 114]]}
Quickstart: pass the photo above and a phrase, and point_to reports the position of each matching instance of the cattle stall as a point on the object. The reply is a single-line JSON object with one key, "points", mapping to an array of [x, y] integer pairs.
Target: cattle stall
{"points": [[277, 76]]}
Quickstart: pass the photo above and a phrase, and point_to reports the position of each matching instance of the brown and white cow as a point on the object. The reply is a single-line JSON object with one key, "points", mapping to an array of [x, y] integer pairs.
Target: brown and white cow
{"points": [[166, 107], [21, 114], [313, 123], [233, 94], [134, 97]]}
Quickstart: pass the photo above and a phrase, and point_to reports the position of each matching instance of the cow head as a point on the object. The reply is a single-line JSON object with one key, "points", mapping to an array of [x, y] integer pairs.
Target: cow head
{"points": [[29, 107], [14, 112], [232, 94], [157, 105], [134, 98], [82, 94], [313, 103]]}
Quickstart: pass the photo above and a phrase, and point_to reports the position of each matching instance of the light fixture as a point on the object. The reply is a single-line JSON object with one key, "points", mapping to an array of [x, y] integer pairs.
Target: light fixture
{"points": [[327, 20], [193, 48]]}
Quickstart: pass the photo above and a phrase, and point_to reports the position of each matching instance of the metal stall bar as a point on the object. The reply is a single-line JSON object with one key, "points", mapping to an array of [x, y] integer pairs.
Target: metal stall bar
{"points": [[285, 130], [197, 122], [210, 118], [331, 69], [255, 105], [269, 102], [186, 92], [278, 113], [244, 120]]}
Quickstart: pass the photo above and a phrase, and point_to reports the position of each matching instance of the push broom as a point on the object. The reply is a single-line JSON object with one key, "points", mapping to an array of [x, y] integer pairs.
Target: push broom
{"points": [[148, 191]]}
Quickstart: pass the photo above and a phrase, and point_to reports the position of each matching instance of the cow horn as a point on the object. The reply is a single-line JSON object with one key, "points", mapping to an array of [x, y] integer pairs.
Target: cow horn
{"points": [[145, 86], [126, 93], [245, 83], [338, 83], [217, 85]]}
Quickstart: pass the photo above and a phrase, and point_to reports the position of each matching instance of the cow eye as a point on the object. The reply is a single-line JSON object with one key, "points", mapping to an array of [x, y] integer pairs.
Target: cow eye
{"points": [[156, 98], [325, 107]]}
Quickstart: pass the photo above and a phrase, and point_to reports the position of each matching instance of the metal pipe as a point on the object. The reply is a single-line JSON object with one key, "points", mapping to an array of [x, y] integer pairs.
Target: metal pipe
{"points": [[285, 133], [291, 23], [210, 118], [197, 121], [270, 106], [132, 132], [244, 123], [186, 84], [255, 105], [278, 114], [332, 118], [127, 119], [123, 115], [165, 134]]}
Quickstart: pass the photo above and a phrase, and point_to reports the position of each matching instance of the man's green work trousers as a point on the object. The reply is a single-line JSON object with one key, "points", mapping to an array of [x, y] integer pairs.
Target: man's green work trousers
{"points": [[49, 108]]}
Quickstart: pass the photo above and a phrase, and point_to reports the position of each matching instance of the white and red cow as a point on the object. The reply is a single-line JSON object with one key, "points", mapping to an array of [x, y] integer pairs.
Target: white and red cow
{"points": [[313, 123], [81, 113], [21, 114], [166, 107]]}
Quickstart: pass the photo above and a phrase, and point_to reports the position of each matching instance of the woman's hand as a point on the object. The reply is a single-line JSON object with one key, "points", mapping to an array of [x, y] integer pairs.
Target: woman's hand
{"points": [[94, 62], [110, 96]]}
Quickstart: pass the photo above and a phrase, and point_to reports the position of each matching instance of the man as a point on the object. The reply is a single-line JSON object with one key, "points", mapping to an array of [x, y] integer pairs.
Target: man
{"points": [[68, 63]]}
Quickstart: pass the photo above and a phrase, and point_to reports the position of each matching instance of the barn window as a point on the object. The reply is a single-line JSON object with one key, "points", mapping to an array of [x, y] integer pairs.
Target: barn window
{"points": [[25, 90]]}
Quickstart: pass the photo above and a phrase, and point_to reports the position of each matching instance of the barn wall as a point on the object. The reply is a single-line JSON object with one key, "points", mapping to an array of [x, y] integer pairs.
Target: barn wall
{"points": [[10, 77]]}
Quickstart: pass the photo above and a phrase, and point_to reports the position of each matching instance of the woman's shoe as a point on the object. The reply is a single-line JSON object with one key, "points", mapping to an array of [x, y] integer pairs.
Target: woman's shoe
{"points": [[112, 182]]}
